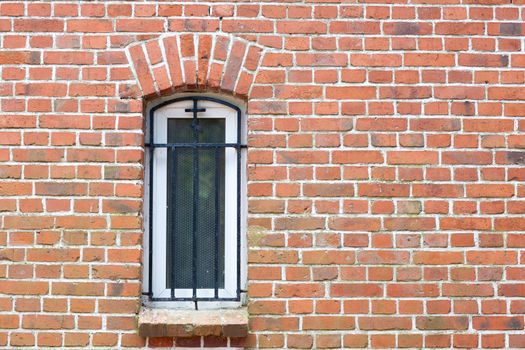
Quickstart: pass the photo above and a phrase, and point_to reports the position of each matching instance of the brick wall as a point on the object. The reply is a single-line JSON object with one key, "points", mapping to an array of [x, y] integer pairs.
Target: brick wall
{"points": [[385, 167]]}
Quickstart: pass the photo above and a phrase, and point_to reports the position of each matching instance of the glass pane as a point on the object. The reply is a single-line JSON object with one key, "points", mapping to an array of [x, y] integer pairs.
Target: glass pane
{"points": [[209, 204]]}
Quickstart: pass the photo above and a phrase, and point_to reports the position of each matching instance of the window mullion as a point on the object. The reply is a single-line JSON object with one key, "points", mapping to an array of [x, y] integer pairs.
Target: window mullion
{"points": [[195, 152]]}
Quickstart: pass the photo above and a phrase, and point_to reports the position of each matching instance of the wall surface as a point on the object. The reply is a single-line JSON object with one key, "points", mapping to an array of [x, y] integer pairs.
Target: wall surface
{"points": [[386, 179]]}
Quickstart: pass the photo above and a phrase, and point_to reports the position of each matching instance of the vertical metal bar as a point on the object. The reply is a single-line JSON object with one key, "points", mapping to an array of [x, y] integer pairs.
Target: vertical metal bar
{"points": [[238, 150], [217, 219], [195, 202], [150, 223], [172, 205]]}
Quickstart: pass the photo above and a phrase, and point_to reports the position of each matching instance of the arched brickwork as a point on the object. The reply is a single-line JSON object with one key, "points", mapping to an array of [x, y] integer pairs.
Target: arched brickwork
{"points": [[202, 62]]}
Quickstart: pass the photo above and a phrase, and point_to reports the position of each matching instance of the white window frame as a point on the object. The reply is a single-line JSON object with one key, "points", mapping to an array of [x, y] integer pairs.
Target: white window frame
{"points": [[159, 192]]}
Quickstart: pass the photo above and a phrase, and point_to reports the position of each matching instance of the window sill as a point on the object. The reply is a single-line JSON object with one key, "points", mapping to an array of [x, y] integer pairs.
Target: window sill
{"points": [[232, 323]]}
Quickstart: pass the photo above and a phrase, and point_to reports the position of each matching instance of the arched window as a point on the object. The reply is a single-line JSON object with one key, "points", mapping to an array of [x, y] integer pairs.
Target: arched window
{"points": [[194, 199]]}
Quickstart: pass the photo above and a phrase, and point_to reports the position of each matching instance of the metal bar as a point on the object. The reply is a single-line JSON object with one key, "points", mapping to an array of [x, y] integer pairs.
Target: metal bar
{"points": [[171, 206], [191, 299], [195, 110], [217, 221], [195, 145], [195, 202]]}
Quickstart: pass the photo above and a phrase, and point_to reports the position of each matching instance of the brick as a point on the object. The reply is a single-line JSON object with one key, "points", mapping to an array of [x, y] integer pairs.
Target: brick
{"points": [[383, 257], [19, 57], [301, 27], [442, 322], [407, 28], [455, 28], [92, 89], [412, 157], [142, 70], [81, 289], [322, 60], [47, 322], [381, 124], [139, 25], [384, 323], [497, 322], [247, 26], [328, 257], [328, 323], [439, 258], [459, 290], [9, 321], [429, 60], [24, 287], [376, 60], [328, 190], [477, 60], [326, 124], [354, 27], [459, 93], [504, 93], [38, 25], [356, 290], [356, 224], [412, 290], [68, 57], [403, 92], [512, 290], [383, 190], [22, 339], [350, 93], [233, 65], [274, 324]]}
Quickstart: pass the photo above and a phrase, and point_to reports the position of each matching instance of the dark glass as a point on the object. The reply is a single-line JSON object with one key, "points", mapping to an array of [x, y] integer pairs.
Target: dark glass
{"points": [[209, 200]]}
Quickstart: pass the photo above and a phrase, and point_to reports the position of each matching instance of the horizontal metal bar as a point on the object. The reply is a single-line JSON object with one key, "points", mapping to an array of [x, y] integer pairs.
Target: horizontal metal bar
{"points": [[197, 299], [195, 110], [195, 145]]}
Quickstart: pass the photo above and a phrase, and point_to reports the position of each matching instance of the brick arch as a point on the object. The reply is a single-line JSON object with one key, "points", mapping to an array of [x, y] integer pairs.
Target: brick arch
{"points": [[195, 62]]}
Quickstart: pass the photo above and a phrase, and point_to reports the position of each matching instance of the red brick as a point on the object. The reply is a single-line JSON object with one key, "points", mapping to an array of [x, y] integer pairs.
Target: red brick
{"points": [[356, 290], [301, 27], [384, 323], [38, 25], [247, 26], [328, 323]]}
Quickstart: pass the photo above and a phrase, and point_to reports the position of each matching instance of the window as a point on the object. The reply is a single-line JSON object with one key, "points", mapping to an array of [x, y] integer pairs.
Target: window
{"points": [[195, 192]]}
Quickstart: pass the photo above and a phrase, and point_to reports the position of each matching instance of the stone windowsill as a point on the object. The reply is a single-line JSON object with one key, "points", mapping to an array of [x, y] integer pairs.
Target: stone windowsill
{"points": [[188, 323]]}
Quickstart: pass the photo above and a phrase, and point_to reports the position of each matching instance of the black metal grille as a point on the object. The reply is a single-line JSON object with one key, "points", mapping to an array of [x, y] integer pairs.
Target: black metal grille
{"points": [[195, 217]]}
